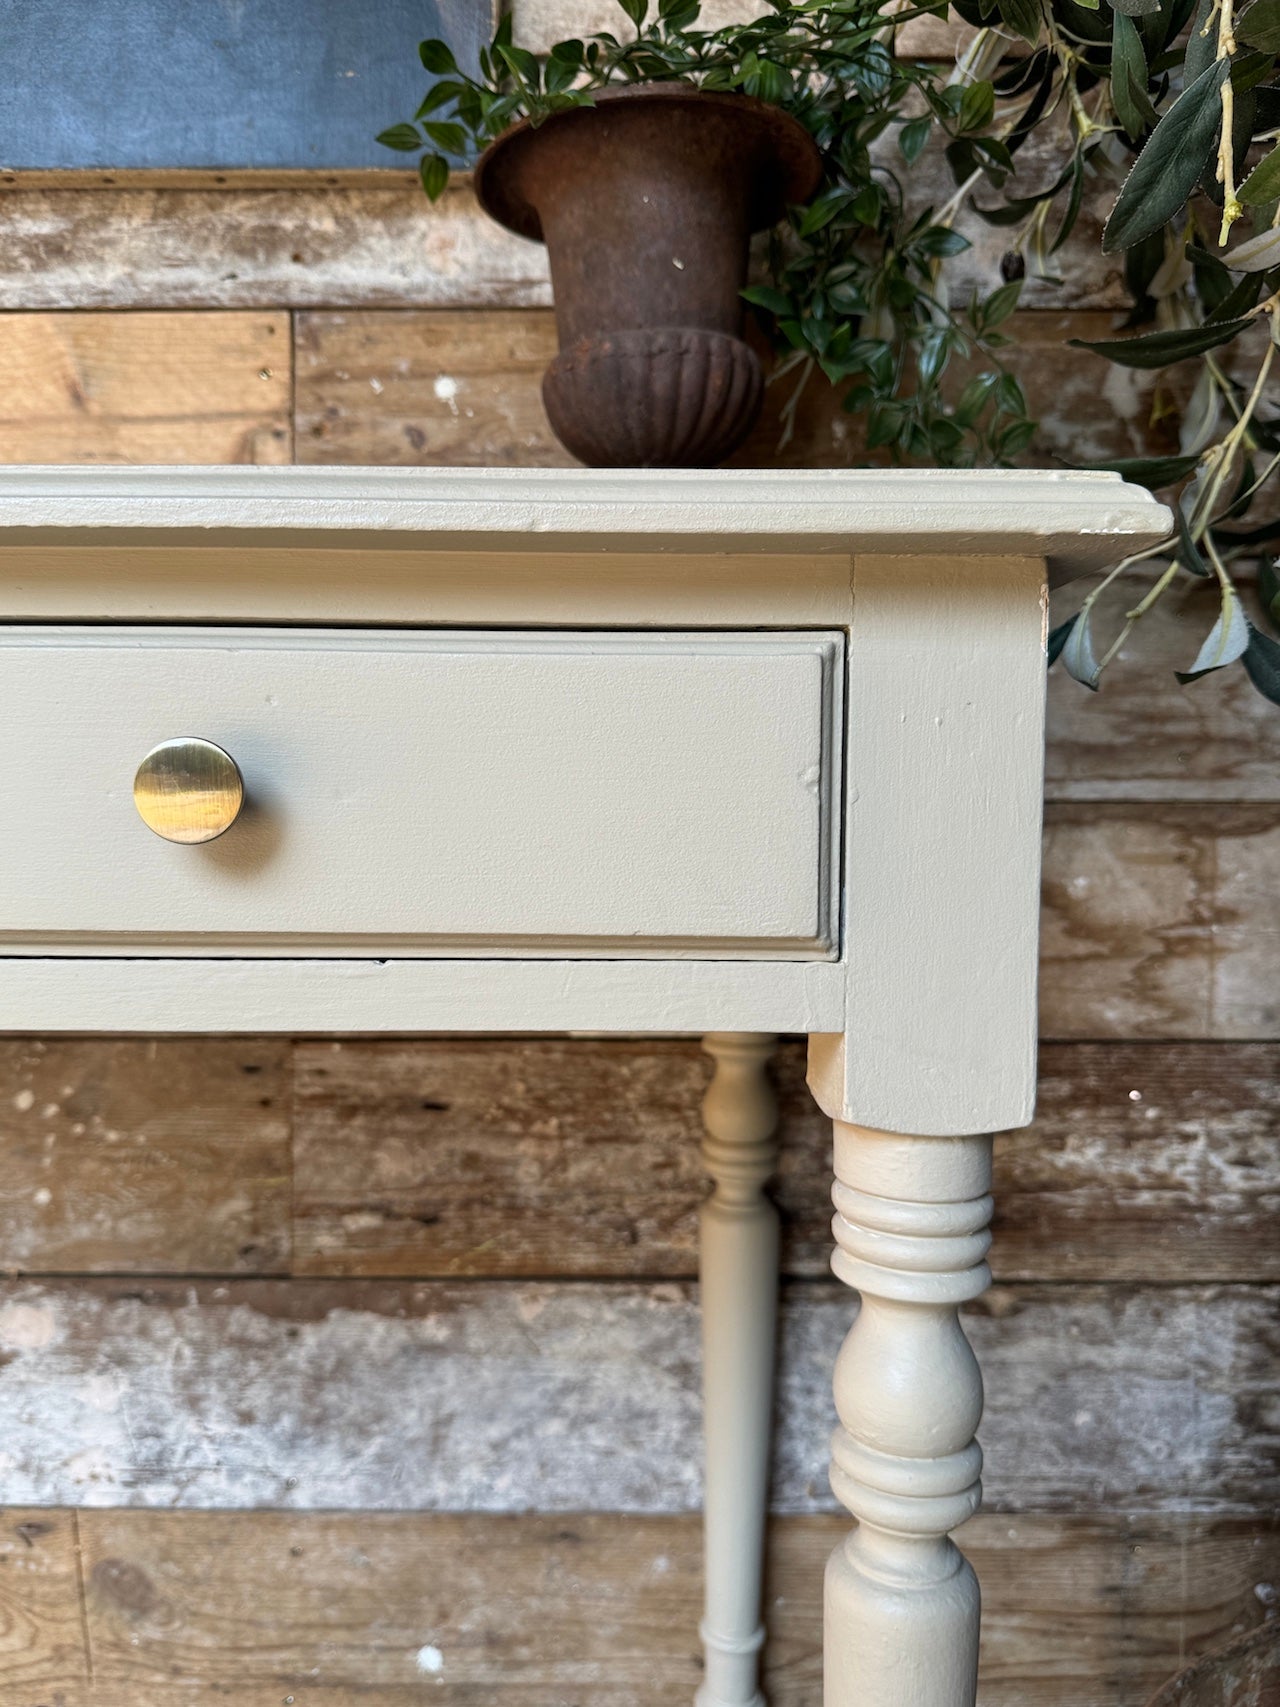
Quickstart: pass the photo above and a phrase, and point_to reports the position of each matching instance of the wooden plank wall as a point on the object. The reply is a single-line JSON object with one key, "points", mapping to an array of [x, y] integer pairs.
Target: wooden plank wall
{"points": [[338, 1371]]}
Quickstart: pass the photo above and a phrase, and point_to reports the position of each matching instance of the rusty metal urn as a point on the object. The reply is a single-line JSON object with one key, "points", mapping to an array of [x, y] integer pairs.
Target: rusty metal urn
{"points": [[646, 203]]}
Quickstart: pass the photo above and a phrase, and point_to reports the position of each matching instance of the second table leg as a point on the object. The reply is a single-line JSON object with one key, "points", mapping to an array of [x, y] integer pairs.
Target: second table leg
{"points": [[739, 1276]]}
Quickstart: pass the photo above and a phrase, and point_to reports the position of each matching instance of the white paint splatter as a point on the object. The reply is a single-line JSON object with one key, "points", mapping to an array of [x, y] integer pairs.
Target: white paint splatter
{"points": [[25, 1327], [24, 1100], [446, 389], [430, 1661], [42, 1198]]}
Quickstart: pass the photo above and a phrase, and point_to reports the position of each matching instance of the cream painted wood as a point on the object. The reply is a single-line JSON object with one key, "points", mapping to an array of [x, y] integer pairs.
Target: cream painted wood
{"points": [[738, 1274], [362, 994], [701, 866], [1076, 521], [427, 792], [901, 1602], [944, 779]]}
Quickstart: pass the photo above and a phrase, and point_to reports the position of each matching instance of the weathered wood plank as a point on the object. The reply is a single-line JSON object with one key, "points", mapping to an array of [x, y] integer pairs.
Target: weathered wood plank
{"points": [[589, 1610], [145, 388], [42, 1654], [461, 388], [539, 23], [461, 1396], [1144, 736], [1160, 922], [507, 1157], [426, 387], [325, 243], [162, 1155], [503, 1158], [312, 245]]}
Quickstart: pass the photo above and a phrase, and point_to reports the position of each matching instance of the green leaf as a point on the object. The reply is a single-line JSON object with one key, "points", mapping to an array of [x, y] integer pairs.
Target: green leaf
{"points": [[1023, 18], [438, 95], [1058, 638], [940, 240], [449, 137], [1262, 661], [1189, 553], [765, 296], [403, 137], [522, 62], [1260, 26], [977, 107], [1129, 76], [1202, 41], [433, 169], [1162, 349], [1078, 658], [912, 138], [1167, 170], [437, 58], [1153, 472], [636, 10], [1000, 305], [974, 399]]}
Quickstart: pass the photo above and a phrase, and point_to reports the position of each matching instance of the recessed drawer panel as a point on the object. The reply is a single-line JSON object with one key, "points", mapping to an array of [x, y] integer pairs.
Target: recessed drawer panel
{"points": [[425, 793]]}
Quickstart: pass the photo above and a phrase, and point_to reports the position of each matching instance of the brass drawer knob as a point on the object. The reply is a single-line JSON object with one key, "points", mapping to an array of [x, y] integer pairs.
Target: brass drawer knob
{"points": [[188, 790]]}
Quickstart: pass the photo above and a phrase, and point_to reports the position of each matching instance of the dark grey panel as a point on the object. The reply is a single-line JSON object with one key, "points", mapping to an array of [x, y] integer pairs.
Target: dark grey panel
{"points": [[217, 83]]}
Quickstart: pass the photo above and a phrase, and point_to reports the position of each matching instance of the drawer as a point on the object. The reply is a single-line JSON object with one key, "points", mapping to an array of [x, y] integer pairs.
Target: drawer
{"points": [[426, 793]]}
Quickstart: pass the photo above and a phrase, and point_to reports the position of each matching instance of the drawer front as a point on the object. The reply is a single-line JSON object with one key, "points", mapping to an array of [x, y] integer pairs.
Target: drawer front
{"points": [[426, 793]]}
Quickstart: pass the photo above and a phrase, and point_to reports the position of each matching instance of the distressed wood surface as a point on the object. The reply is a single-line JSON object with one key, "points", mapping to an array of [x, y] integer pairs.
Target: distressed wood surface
{"points": [[1160, 922], [160, 1155], [471, 1157], [500, 1157], [540, 23], [42, 1652], [590, 1610], [1145, 736], [319, 243], [461, 1396], [462, 386], [190, 388]]}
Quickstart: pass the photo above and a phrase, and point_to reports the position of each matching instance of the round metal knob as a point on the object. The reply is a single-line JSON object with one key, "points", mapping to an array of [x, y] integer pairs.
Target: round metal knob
{"points": [[188, 790]]}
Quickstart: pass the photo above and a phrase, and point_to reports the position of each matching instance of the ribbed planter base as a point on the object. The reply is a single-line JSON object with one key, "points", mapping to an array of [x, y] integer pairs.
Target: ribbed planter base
{"points": [[666, 398]]}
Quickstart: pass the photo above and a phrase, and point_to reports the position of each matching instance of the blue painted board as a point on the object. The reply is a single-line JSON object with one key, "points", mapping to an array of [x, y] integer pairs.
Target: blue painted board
{"points": [[137, 84]]}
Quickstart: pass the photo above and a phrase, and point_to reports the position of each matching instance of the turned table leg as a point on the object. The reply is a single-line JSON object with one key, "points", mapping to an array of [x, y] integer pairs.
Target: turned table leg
{"points": [[902, 1603], [739, 1286]]}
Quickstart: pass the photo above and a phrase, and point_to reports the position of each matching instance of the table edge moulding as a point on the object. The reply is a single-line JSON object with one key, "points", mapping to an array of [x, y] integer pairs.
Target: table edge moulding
{"points": [[903, 798]]}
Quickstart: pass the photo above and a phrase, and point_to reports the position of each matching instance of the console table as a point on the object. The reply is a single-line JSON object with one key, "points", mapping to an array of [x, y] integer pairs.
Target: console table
{"points": [[732, 753]]}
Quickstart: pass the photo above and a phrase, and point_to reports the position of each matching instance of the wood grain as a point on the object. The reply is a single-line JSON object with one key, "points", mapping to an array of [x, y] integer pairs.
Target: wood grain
{"points": [[1144, 736], [326, 243], [440, 1158], [42, 1654], [462, 386], [462, 1395], [1160, 922], [159, 1155], [539, 23], [145, 388], [598, 1611]]}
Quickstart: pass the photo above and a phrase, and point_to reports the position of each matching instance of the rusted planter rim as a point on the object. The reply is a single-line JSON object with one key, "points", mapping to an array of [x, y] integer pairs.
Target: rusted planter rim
{"points": [[785, 138]]}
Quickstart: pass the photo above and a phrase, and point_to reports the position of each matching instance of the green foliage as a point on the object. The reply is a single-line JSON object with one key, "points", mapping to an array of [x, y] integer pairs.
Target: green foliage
{"points": [[1177, 102], [857, 290]]}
